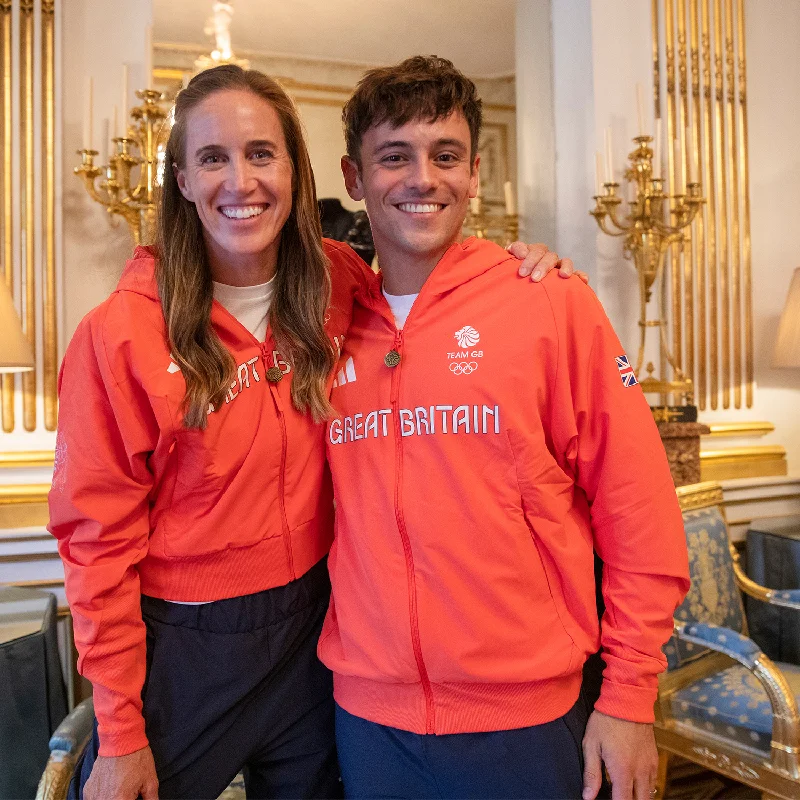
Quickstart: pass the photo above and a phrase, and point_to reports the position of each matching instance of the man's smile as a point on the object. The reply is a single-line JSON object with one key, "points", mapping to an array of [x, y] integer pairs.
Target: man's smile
{"points": [[420, 208]]}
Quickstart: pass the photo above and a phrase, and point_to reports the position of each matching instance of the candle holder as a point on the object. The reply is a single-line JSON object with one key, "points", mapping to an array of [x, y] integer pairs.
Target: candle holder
{"points": [[502, 229], [120, 192], [655, 222]]}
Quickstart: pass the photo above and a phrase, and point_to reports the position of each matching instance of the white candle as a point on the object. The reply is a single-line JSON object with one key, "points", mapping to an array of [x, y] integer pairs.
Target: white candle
{"points": [[609, 162], [117, 134], [148, 57], [511, 206], [640, 109], [657, 154], [598, 169], [124, 106], [88, 111], [104, 142]]}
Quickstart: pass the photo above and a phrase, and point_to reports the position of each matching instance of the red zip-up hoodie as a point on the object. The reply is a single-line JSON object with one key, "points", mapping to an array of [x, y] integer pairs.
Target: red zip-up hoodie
{"points": [[480, 454], [141, 505]]}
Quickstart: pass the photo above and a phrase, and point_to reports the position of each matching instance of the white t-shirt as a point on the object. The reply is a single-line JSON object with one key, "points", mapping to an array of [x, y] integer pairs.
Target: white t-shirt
{"points": [[400, 305], [249, 304]]}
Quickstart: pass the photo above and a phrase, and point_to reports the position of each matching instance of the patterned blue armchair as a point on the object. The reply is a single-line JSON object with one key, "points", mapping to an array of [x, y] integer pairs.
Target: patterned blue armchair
{"points": [[722, 703]]}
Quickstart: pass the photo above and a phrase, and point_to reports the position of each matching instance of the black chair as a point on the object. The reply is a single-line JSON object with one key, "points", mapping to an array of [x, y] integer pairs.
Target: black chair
{"points": [[33, 698]]}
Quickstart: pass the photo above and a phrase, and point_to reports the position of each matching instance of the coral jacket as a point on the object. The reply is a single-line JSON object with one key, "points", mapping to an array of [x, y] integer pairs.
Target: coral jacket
{"points": [[141, 505], [480, 454]]}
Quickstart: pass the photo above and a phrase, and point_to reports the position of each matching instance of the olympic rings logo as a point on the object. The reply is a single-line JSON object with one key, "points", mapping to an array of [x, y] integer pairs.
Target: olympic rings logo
{"points": [[463, 367]]}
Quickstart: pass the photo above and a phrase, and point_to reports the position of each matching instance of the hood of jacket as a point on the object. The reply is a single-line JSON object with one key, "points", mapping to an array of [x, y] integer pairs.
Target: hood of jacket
{"points": [[461, 263], [139, 275]]}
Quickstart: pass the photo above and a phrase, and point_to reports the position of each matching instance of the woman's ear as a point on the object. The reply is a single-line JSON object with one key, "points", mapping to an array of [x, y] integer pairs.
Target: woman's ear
{"points": [[180, 177]]}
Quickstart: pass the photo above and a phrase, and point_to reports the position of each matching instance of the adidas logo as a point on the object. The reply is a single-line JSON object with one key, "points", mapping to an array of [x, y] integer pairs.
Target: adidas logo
{"points": [[347, 374]]}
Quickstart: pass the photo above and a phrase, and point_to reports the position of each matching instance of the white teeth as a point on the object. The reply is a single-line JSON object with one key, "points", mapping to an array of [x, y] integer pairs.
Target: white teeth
{"points": [[420, 208], [242, 212]]}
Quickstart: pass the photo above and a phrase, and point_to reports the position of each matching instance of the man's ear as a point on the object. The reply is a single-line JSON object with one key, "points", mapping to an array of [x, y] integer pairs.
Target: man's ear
{"points": [[180, 177], [352, 178], [475, 177]]}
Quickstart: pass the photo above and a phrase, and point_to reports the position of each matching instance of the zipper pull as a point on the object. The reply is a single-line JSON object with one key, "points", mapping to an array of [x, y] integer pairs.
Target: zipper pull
{"points": [[274, 373], [392, 358]]}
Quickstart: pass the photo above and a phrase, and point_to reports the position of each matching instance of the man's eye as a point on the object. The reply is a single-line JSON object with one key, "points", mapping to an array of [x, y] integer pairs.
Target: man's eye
{"points": [[393, 158], [448, 157]]}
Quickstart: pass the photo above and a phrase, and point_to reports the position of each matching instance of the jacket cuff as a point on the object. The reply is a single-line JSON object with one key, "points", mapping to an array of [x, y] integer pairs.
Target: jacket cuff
{"points": [[633, 703], [119, 737]]}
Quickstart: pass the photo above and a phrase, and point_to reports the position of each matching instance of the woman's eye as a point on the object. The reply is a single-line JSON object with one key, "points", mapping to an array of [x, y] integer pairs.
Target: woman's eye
{"points": [[262, 155], [210, 159]]}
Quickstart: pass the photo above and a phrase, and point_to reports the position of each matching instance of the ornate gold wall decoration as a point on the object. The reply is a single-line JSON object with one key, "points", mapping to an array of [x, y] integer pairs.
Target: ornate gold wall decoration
{"points": [[702, 54], [50, 345], [28, 221], [754, 461], [7, 383], [28, 253]]}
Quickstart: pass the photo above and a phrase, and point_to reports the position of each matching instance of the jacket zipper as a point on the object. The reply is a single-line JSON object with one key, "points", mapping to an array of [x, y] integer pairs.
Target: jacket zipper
{"points": [[273, 388], [430, 709]]}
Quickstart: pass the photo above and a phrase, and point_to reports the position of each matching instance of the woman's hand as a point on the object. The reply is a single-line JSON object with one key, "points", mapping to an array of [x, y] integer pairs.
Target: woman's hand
{"points": [[538, 260], [123, 777]]}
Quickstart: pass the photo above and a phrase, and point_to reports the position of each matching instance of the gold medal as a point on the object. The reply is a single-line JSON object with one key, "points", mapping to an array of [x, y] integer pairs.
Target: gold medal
{"points": [[392, 358]]}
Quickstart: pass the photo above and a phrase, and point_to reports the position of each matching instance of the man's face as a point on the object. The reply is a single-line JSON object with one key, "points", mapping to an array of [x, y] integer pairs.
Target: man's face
{"points": [[416, 181]]}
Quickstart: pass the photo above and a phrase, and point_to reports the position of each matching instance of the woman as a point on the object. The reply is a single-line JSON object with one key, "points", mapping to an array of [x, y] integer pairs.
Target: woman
{"points": [[190, 495]]}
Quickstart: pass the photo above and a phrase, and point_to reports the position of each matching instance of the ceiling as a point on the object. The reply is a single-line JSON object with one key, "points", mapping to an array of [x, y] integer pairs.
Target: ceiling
{"points": [[477, 35]]}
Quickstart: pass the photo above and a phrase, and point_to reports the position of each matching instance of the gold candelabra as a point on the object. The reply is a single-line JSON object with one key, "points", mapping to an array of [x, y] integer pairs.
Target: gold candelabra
{"points": [[480, 224], [656, 221], [119, 191]]}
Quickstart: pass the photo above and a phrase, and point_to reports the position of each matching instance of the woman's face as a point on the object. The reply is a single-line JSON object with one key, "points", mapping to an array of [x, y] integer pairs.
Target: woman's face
{"points": [[238, 174]]}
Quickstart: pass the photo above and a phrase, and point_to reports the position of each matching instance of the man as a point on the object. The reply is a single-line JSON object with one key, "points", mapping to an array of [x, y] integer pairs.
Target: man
{"points": [[504, 437]]}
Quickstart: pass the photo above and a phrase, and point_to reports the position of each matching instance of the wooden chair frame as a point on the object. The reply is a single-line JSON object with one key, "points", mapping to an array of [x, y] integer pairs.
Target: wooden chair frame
{"points": [[777, 776]]}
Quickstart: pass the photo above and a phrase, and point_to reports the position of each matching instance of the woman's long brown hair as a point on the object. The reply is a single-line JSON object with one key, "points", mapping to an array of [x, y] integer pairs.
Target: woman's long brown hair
{"points": [[302, 278]]}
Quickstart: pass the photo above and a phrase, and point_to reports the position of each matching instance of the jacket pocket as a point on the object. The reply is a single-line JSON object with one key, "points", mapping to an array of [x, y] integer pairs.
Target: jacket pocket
{"points": [[225, 493], [546, 493]]}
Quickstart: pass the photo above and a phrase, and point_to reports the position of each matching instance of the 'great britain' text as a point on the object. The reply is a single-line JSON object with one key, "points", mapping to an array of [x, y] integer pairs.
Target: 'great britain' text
{"points": [[419, 421]]}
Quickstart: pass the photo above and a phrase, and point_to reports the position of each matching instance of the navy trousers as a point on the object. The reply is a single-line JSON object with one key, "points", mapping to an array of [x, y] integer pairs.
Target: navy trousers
{"points": [[236, 685], [543, 761]]}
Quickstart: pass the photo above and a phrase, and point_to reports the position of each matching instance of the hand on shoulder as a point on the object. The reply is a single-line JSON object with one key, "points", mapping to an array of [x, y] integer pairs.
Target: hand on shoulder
{"points": [[538, 260]]}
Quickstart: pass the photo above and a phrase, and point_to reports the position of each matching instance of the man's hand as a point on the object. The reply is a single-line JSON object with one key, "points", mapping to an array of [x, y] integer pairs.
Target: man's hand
{"points": [[123, 777], [537, 261], [628, 750]]}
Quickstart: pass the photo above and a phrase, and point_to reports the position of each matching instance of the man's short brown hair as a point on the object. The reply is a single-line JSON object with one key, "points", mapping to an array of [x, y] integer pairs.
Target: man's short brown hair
{"points": [[422, 87]]}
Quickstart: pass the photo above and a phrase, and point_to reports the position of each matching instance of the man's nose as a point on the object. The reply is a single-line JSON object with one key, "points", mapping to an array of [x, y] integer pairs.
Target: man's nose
{"points": [[422, 176]]}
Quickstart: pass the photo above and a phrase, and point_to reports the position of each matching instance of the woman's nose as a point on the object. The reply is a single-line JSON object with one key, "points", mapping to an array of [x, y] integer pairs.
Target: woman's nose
{"points": [[240, 176]]}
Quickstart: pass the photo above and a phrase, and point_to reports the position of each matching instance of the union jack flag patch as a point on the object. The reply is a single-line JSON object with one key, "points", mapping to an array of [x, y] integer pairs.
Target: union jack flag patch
{"points": [[626, 372]]}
